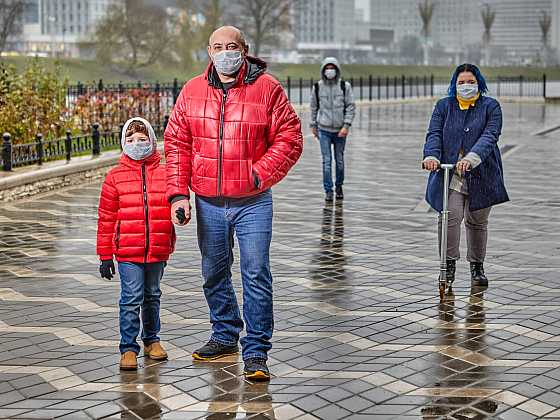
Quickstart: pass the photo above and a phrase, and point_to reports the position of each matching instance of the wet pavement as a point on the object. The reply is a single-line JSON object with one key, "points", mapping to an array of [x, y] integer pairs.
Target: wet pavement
{"points": [[360, 332]]}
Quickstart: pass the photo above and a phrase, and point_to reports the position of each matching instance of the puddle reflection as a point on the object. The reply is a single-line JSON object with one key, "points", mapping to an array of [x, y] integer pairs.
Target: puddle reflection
{"points": [[457, 375]]}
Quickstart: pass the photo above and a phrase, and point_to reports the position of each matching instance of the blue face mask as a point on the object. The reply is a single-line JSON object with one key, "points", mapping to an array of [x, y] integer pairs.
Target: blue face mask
{"points": [[467, 90], [138, 150]]}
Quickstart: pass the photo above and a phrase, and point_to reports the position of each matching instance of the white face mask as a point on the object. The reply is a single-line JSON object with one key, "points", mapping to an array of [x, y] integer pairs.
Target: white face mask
{"points": [[467, 90], [330, 73], [227, 62], [138, 150]]}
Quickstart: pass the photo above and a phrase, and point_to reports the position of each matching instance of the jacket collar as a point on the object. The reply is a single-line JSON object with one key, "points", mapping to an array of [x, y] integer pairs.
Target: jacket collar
{"points": [[151, 161], [250, 71]]}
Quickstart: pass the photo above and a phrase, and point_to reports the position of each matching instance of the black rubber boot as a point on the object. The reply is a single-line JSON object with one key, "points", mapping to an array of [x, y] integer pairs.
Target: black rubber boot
{"points": [[450, 272], [478, 278]]}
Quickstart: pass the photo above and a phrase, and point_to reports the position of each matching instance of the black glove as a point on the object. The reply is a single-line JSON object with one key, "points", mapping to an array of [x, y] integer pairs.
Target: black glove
{"points": [[107, 269], [181, 216]]}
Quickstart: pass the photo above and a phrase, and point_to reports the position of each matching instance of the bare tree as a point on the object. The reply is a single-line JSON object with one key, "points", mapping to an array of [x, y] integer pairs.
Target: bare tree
{"points": [[545, 23], [11, 12], [488, 16], [426, 10], [263, 20], [134, 34]]}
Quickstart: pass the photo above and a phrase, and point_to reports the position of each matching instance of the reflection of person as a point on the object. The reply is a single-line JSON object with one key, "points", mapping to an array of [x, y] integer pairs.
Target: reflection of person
{"points": [[232, 135], [144, 404], [329, 263], [245, 397], [464, 130], [135, 226], [475, 337], [332, 113]]}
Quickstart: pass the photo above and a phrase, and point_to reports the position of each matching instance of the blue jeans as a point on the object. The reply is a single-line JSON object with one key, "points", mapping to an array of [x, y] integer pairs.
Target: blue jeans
{"points": [[327, 139], [139, 291], [250, 219]]}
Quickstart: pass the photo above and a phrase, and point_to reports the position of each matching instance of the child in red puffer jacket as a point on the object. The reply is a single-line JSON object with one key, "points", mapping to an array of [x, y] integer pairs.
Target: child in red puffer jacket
{"points": [[135, 226]]}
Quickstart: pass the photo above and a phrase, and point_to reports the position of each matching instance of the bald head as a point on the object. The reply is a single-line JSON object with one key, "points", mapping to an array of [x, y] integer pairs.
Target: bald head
{"points": [[227, 37]]}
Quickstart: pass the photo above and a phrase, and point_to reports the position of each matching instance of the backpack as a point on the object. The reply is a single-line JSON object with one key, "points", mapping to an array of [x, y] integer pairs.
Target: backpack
{"points": [[342, 86]]}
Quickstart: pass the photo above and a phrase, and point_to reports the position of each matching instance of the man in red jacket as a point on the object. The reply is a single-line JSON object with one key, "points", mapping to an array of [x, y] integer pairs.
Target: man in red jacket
{"points": [[232, 136]]}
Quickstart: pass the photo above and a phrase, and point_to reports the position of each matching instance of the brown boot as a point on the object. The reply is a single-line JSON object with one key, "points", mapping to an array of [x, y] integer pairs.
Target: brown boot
{"points": [[128, 361], [155, 351]]}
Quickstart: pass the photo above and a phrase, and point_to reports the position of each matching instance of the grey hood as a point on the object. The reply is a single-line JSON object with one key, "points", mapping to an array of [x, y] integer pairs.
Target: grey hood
{"points": [[330, 60]]}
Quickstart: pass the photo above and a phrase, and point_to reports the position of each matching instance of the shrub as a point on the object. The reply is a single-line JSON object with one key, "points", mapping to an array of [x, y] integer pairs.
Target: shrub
{"points": [[33, 101]]}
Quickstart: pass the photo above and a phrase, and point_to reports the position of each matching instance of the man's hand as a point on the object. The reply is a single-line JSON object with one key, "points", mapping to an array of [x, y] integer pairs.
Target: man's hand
{"points": [[314, 132], [177, 215], [463, 166], [343, 132], [430, 165]]}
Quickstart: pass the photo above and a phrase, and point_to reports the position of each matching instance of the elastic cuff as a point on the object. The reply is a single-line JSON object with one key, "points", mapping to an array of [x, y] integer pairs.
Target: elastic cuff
{"points": [[347, 125], [176, 198], [263, 356], [473, 158], [312, 125], [105, 257]]}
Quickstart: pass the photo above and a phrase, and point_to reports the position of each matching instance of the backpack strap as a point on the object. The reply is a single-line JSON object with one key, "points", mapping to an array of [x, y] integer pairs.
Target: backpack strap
{"points": [[317, 94]]}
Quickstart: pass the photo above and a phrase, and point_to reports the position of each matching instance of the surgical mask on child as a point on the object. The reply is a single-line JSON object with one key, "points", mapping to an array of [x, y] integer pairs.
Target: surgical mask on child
{"points": [[330, 73], [227, 62], [138, 150], [467, 90]]}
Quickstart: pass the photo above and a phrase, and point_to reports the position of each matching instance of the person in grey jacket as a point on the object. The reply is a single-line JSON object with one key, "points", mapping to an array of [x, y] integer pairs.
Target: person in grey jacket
{"points": [[332, 111]]}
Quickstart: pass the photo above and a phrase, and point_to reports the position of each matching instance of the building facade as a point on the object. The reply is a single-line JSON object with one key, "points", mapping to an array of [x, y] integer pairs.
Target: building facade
{"points": [[59, 27], [457, 27], [328, 27]]}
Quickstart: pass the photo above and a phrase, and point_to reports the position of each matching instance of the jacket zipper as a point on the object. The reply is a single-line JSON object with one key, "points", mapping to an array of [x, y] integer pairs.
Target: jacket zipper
{"points": [[220, 146], [145, 193]]}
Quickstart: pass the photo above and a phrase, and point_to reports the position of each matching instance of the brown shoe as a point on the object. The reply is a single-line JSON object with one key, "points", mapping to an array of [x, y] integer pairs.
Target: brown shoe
{"points": [[155, 351], [128, 361]]}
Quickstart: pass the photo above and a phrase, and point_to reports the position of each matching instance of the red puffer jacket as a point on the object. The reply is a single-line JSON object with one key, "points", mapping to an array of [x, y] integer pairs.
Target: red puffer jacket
{"points": [[134, 215], [217, 142]]}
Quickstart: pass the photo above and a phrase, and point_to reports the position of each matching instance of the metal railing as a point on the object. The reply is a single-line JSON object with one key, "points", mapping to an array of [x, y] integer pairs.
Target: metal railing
{"points": [[40, 151]]}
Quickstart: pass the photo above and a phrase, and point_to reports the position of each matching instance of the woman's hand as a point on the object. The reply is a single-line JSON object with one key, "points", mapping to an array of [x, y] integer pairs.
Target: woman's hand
{"points": [[430, 165], [463, 166]]}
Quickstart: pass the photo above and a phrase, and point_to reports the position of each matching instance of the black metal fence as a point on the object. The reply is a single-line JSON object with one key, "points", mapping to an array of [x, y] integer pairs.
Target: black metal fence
{"points": [[370, 88], [40, 151]]}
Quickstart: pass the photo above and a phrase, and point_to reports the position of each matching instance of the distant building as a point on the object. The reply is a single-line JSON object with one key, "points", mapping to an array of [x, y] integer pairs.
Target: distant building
{"points": [[457, 28], [328, 27], [58, 27]]}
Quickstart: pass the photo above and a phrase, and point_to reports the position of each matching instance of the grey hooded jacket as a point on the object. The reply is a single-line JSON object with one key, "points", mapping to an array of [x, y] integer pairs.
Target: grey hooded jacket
{"points": [[336, 108]]}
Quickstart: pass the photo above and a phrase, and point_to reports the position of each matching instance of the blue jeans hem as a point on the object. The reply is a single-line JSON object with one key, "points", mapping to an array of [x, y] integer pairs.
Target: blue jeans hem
{"points": [[223, 342], [255, 356]]}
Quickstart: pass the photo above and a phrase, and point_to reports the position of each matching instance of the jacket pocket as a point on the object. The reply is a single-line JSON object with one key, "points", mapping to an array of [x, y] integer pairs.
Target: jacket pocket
{"points": [[118, 235], [251, 181], [196, 175]]}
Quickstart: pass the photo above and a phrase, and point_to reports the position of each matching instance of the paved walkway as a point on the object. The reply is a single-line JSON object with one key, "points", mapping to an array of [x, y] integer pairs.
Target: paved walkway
{"points": [[360, 332]]}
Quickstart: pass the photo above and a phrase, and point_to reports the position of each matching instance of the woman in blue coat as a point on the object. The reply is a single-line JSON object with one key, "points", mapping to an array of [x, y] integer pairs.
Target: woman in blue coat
{"points": [[464, 130]]}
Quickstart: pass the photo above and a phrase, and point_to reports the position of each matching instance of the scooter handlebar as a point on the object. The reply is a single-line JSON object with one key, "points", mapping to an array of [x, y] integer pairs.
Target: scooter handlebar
{"points": [[446, 166]]}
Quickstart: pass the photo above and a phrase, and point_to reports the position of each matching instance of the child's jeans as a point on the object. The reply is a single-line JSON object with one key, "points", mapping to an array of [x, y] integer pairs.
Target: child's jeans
{"points": [[139, 291]]}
